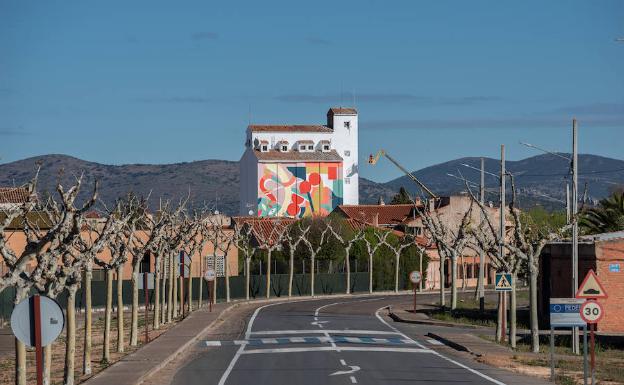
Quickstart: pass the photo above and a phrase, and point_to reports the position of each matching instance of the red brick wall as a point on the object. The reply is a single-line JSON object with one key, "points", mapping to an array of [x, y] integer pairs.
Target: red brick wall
{"points": [[610, 252]]}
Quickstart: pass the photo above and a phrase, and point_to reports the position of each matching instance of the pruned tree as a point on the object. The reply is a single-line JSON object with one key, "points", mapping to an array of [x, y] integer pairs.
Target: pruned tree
{"points": [[269, 241], [397, 248], [243, 242], [375, 238], [314, 246], [223, 241], [294, 236], [450, 243], [347, 240]]}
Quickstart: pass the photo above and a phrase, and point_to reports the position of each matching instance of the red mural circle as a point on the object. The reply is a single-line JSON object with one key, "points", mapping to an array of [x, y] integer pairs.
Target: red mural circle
{"points": [[293, 209], [314, 179], [304, 187]]}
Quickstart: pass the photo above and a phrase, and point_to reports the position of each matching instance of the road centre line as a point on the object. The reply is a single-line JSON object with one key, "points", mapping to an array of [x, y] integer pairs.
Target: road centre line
{"points": [[440, 355], [353, 380]]}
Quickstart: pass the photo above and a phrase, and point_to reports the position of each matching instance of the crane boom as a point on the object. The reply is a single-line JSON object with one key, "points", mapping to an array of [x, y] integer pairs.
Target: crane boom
{"points": [[373, 160]]}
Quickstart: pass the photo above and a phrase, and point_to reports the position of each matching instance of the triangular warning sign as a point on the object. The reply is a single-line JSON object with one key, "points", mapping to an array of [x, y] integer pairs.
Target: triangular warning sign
{"points": [[591, 287], [503, 283]]}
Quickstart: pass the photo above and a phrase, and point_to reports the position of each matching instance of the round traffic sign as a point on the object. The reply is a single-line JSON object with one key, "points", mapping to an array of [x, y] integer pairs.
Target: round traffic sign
{"points": [[52, 321], [415, 276], [591, 312], [210, 275]]}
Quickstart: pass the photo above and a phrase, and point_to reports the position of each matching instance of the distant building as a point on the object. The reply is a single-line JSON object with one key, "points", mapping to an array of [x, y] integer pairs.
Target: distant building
{"points": [[11, 197], [604, 253], [298, 171]]}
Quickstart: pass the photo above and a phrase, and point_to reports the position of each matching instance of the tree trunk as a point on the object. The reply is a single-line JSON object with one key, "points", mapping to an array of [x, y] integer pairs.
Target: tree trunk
{"points": [[512, 312], [157, 270], [171, 282], [442, 281], [47, 364], [134, 327], [86, 353], [70, 343], [163, 296], [312, 260], [190, 288], [533, 305], [120, 310], [107, 316], [370, 273], [247, 276], [499, 318], [348, 270], [396, 272], [453, 283], [201, 281], [175, 283], [226, 272], [291, 272], [268, 274], [20, 363]]}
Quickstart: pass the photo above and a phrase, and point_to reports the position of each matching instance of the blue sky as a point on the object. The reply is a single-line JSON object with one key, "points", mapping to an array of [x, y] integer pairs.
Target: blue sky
{"points": [[156, 82]]}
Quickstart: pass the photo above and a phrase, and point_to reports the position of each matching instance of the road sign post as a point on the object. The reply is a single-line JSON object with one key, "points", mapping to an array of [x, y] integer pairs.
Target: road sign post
{"points": [[591, 311], [37, 321], [146, 295], [564, 313], [415, 277], [210, 276], [503, 284]]}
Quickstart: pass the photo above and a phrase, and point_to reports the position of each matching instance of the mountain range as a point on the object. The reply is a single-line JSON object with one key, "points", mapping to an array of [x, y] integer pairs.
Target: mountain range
{"points": [[540, 180]]}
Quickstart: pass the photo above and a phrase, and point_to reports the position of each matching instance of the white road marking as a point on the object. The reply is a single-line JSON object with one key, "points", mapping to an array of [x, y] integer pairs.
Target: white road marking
{"points": [[395, 329], [331, 331], [354, 368], [353, 380], [213, 343], [268, 340], [343, 362], [434, 342], [440, 355], [297, 339], [338, 349]]}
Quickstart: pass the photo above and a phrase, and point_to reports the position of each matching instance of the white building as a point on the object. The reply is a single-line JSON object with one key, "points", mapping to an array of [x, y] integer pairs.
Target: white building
{"points": [[301, 170]]}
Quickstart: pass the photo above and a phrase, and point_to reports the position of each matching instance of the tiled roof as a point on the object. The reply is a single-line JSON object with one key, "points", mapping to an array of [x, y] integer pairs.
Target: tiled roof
{"points": [[306, 141], [342, 111], [13, 195], [389, 215], [296, 156], [289, 128], [266, 230]]}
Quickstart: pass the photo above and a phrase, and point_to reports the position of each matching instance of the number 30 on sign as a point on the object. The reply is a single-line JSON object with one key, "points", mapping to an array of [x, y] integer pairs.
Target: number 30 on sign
{"points": [[591, 312]]}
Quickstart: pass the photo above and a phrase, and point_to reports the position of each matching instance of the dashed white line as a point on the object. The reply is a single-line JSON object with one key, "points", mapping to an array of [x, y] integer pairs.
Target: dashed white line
{"points": [[353, 380], [342, 362]]}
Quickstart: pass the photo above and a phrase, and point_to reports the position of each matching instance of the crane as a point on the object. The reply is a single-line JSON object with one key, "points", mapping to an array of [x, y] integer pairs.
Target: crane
{"points": [[373, 160]]}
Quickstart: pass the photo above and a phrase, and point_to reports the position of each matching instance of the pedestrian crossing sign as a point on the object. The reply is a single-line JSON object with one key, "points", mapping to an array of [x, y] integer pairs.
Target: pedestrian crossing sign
{"points": [[503, 282]]}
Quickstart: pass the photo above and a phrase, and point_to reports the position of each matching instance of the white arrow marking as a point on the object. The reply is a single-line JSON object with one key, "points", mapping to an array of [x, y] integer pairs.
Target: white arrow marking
{"points": [[354, 369], [318, 323]]}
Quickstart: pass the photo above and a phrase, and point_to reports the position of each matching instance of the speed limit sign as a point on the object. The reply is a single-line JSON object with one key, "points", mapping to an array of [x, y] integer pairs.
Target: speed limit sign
{"points": [[210, 275], [591, 312], [415, 276]]}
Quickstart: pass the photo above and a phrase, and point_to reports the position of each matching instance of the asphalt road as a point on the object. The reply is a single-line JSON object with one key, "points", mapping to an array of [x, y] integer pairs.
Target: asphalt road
{"points": [[333, 341]]}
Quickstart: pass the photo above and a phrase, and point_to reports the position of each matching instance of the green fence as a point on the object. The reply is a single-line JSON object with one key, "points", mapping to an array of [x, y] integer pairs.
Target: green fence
{"points": [[324, 284]]}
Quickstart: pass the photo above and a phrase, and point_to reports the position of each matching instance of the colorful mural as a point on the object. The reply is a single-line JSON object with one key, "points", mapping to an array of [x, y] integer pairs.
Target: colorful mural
{"points": [[298, 190]]}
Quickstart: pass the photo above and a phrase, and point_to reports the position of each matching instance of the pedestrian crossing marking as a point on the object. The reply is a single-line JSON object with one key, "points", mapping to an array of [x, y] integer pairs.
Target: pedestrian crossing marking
{"points": [[313, 340]]}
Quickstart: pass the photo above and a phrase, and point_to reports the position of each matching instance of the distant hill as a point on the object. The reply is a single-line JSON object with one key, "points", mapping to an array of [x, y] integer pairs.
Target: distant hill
{"points": [[540, 179], [216, 182]]}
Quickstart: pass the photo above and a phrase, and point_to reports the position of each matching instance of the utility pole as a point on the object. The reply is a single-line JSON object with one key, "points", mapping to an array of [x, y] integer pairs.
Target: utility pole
{"points": [[481, 254], [575, 331], [501, 250], [567, 203]]}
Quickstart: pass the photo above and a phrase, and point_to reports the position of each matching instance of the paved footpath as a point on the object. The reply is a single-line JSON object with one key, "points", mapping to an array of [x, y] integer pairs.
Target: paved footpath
{"points": [[334, 341], [136, 367]]}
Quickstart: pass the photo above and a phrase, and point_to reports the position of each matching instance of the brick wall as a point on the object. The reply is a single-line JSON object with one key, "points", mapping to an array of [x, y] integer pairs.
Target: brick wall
{"points": [[611, 252]]}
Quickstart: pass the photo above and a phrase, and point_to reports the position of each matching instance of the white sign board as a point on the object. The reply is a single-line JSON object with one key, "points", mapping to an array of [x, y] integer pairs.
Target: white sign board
{"points": [[210, 275], [415, 276], [565, 312], [218, 266], [150, 281], [52, 321]]}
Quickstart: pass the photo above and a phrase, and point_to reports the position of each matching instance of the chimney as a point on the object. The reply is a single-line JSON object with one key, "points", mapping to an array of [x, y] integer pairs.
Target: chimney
{"points": [[376, 219]]}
